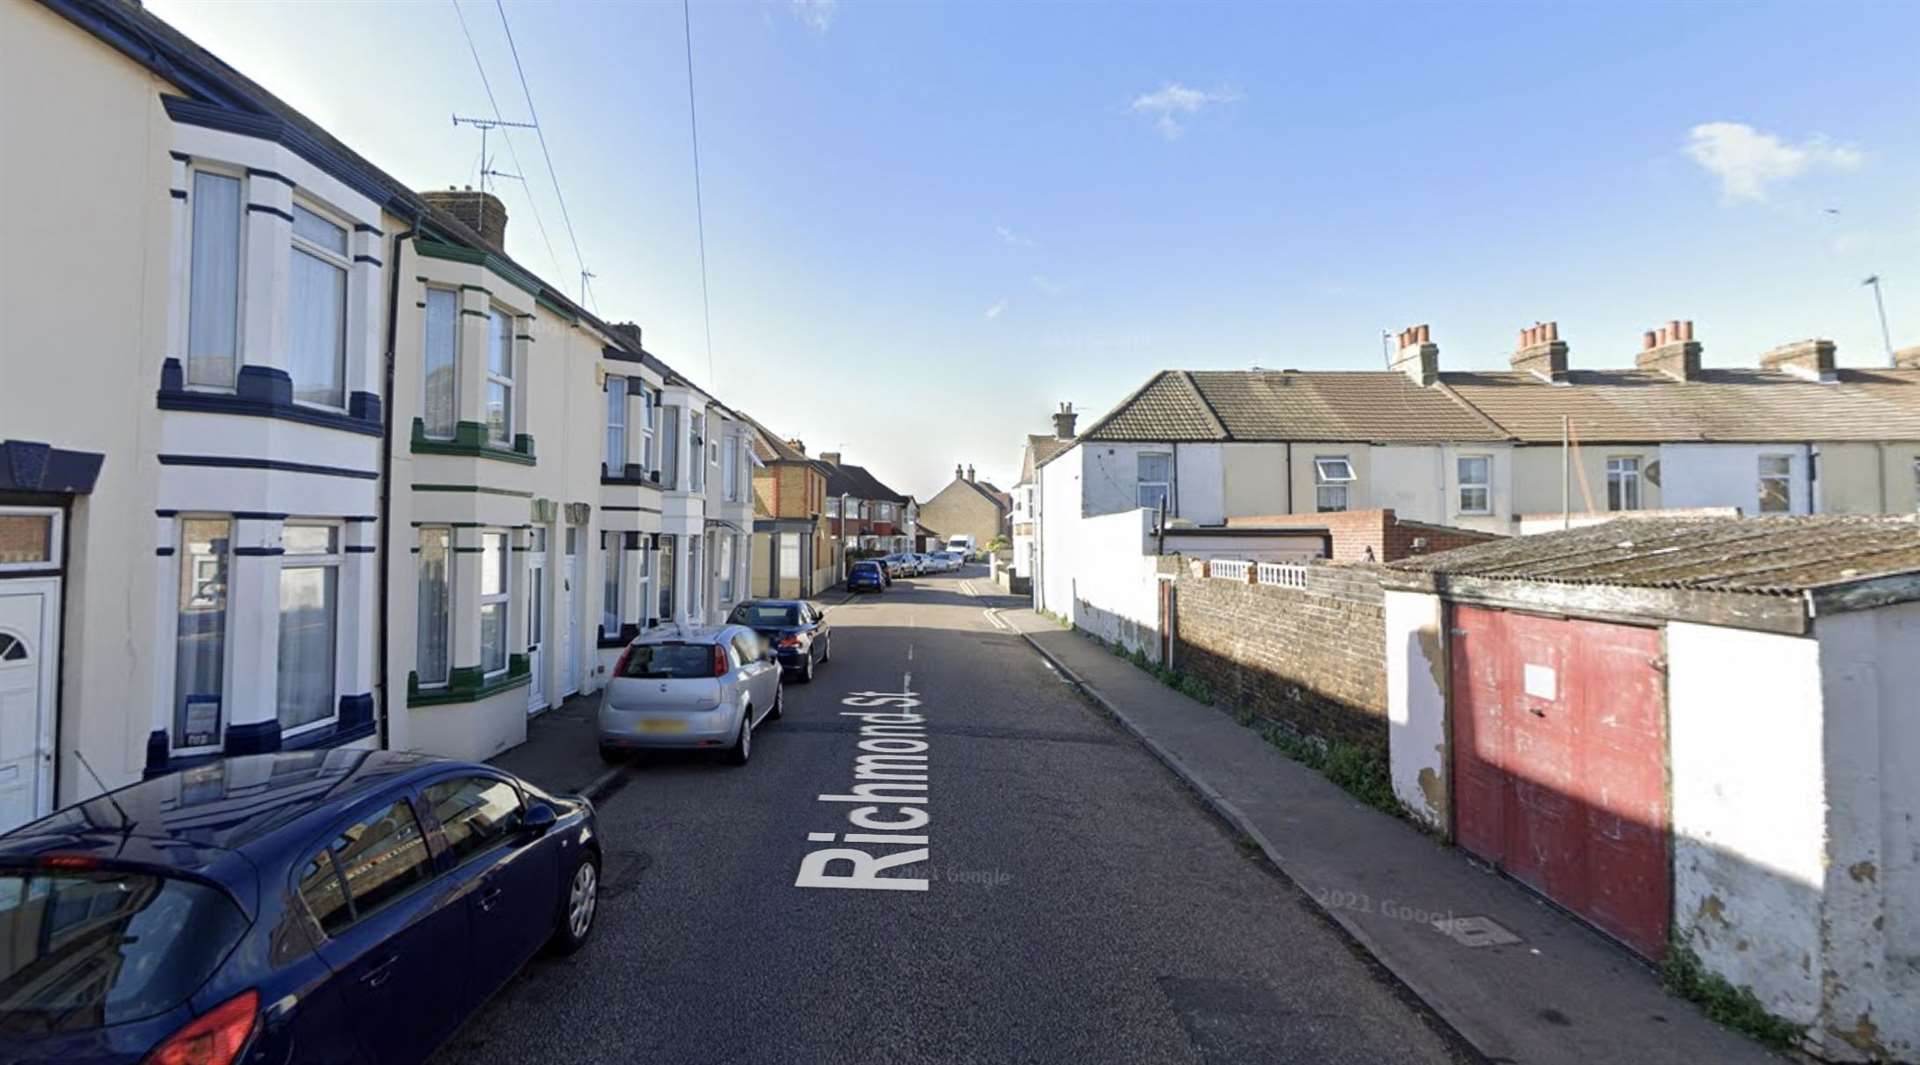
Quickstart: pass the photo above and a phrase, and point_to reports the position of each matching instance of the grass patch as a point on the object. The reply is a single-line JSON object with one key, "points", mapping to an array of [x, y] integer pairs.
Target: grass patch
{"points": [[1736, 1007]]}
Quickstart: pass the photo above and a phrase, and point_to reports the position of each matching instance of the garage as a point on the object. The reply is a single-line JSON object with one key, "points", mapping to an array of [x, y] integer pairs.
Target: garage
{"points": [[1559, 763]]}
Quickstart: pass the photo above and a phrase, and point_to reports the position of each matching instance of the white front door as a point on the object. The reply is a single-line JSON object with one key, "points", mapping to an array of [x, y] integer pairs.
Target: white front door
{"points": [[29, 651], [537, 623], [569, 626]]}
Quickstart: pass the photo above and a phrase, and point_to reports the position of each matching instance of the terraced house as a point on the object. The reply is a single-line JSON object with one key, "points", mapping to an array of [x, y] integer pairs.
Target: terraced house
{"points": [[793, 553], [1511, 451], [324, 466]]}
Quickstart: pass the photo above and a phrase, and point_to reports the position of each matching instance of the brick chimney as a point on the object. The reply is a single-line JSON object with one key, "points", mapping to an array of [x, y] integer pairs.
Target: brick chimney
{"points": [[1540, 352], [1670, 350], [481, 212], [1418, 357], [959, 472], [1811, 359], [796, 444], [627, 333], [1063, 420], [969, 474], [1907, 358], [831, 458]]}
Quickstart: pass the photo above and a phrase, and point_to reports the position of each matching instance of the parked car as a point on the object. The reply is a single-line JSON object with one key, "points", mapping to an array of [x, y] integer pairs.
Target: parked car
{"points": [[866, 577], [955, 559], [339, 906], [706, 686], [797, 629]]}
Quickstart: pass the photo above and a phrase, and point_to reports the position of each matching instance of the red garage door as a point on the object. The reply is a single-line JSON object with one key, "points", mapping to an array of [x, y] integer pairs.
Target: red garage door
{"points": [[1559, 763]]}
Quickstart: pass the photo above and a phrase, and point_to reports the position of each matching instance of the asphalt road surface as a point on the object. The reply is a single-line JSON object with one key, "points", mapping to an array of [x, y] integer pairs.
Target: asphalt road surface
{"points": [[1078, 905]]}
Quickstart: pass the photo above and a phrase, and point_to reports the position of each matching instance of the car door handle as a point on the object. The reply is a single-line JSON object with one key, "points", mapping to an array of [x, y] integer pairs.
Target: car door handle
{"points": [[489, 896], [378, 975]]}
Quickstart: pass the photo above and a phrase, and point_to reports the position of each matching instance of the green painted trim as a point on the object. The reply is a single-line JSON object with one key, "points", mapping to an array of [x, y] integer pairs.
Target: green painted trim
{"points": [[543, 300], [470, 440], [500, 267], [467, 684], [472, 488]]}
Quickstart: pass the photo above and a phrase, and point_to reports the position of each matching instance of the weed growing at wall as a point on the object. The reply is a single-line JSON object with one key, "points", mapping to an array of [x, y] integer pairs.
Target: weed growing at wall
{"points": [[1736, 1007]]}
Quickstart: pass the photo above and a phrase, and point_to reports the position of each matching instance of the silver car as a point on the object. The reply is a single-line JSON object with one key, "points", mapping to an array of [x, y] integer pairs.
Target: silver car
{"points": [[690, 687]]}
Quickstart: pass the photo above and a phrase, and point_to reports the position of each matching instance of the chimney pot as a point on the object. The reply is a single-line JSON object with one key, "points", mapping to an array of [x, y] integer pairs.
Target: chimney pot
{"points": [[1418, 357], [1541, 352], [1648, 342], [1670, 349], [1553, 331], [1063, 422], [1686, 329]]}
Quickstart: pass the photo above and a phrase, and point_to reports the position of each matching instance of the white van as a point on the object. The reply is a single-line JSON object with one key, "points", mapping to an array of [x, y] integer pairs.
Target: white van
{"points": [[962, 543]]}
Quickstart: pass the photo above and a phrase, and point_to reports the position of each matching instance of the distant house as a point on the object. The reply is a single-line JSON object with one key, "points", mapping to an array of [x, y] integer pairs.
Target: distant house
{"points": [[792, 550], [1021, 520], [864, 514], [970, 506]]}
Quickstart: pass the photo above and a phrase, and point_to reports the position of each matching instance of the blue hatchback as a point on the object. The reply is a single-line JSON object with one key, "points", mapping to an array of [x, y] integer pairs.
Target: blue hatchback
{"points": [[324, 907], [866, 577]]}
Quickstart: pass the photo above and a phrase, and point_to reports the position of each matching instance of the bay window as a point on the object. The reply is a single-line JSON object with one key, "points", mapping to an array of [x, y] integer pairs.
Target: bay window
{"points": [[646, 428], [610, 584], [697, 452], [433, 659], [309, 623], [730, 468], [200, 635], [496, 581], [645, 577], [616, 426], [723, 568], [317, 315], [213, 280], [439, 409], [499, 377], [668, 544]]}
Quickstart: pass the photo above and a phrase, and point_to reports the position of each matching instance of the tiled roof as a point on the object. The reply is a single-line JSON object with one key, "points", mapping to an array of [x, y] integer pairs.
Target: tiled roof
{"points": [[1773, 555], [1720, 404], [855, 481], [1040, 448], [769, 446], [1167, 407], [1275, 405]]}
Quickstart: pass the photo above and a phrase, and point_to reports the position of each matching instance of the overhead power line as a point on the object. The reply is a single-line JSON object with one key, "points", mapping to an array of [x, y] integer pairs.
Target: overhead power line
{"points": [[699, 208], [499, 119], [542, 134]]}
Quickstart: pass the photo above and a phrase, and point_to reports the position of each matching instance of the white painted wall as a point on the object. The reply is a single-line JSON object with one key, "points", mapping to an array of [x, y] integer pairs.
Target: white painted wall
{"points": [[1416, 704], [1110, 472], [1744, 713], [1200, 492], [1727, 475], [1114, 584]]}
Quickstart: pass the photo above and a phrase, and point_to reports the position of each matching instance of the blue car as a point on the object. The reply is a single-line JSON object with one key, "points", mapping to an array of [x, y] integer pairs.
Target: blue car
{"points": [[796, 628], [324, 907], [866, 577]]}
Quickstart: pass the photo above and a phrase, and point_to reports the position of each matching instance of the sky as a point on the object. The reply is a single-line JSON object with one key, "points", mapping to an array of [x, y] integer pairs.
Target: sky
{"points": [[929, 223]]}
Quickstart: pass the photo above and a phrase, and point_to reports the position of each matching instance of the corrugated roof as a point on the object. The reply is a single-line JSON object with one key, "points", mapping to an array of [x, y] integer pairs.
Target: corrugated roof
{"points": [[1770, 556]]}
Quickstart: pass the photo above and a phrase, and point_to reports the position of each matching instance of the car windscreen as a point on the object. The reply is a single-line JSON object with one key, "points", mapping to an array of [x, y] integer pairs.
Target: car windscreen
{"points": [[765, 615], [865, 567], [90, 948], [667, 661]]}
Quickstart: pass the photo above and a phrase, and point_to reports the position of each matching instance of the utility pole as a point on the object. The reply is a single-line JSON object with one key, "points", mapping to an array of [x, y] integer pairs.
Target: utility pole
{"points": [[1880, 305], [1566, 473]]}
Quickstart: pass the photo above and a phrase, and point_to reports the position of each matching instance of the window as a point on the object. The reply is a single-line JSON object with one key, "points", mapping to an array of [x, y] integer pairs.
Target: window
{"points": [[645, 577], [200, 640], [833, 502], [309, 623], [368, 866], [1476, 484], [496, 581], [441, 404], [697, 450], [499, 377], [433, 654], [730, 469], [669, 447], [475, 813], [668, 549], [317, 318], [790, 554], [1154, 480], [696, 577], [616, 426], [610, 585], [1776, 484], [646, 427], [723, 567], [1332, 483], [886, 512], [28, 539], [1623, 483], [213, 281]]}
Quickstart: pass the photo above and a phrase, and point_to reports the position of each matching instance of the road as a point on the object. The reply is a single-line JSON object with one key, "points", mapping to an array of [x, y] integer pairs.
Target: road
{"points": [[1080, 906]]}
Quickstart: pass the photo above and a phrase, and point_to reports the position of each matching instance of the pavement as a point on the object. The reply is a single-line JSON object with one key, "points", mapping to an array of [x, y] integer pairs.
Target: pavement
{"points": [[1553, 992], [1078, 902]]}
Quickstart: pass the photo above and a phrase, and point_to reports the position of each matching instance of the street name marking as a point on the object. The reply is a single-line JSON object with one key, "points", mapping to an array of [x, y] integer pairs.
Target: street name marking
{"points": [[890, 780]]}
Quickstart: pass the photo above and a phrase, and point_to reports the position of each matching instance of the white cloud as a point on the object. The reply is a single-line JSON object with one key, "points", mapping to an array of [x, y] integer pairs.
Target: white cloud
{"points": [[1747, 160], [1008, 236], [1173, 101], [817, 15], [994, 311]]}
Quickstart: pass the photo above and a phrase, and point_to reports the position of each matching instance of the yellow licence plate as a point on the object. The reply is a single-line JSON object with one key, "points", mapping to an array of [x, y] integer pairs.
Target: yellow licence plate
{"points": [[663, 725]]}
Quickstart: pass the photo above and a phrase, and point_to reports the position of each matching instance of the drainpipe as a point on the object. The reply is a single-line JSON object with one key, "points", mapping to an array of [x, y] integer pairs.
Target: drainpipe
{"points": [[386, 479]]}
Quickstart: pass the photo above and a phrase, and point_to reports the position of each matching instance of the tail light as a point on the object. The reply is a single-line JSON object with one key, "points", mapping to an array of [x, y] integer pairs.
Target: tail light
{"points": [[720, 665], [215, 1038], [620, 666], [788, 641]]}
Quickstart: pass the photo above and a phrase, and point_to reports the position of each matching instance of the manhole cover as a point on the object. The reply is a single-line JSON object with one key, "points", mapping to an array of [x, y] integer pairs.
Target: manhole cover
{"points": [[1475, 931]]}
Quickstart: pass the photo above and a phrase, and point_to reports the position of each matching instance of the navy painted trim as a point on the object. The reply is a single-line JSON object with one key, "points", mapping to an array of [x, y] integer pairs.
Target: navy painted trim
{"points": [[361, 549], [181, 157], [259, 552], [282, 178], [467, 550], [355, 518], [367, 259], [166, 513], [157, 748], [259, 515], [266, 392], [269, 127], [233, 462], [163, 552], [30, 466], [476, 314], [362, 227], [255, 737], [269, 209], [178, 194]]}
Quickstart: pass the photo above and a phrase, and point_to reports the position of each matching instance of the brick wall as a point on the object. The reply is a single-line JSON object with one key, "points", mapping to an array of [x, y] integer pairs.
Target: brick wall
{"points": [[1356, 532], [1314, 659]]}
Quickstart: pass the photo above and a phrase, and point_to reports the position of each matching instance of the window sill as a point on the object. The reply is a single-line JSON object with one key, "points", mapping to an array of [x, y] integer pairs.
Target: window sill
{"points": [[467, 684], [265, 392], [470, 440]]}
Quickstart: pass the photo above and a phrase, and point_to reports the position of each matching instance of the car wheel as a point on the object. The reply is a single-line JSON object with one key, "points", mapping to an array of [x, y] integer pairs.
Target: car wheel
{"points": [[806, 677], [826, 653], [578, 908], [779, 702], [612, 755], [742, 748]]}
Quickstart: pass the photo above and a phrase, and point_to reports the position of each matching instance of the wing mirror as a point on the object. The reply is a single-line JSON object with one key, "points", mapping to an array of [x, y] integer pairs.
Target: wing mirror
{"points": [[540, 818]]}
